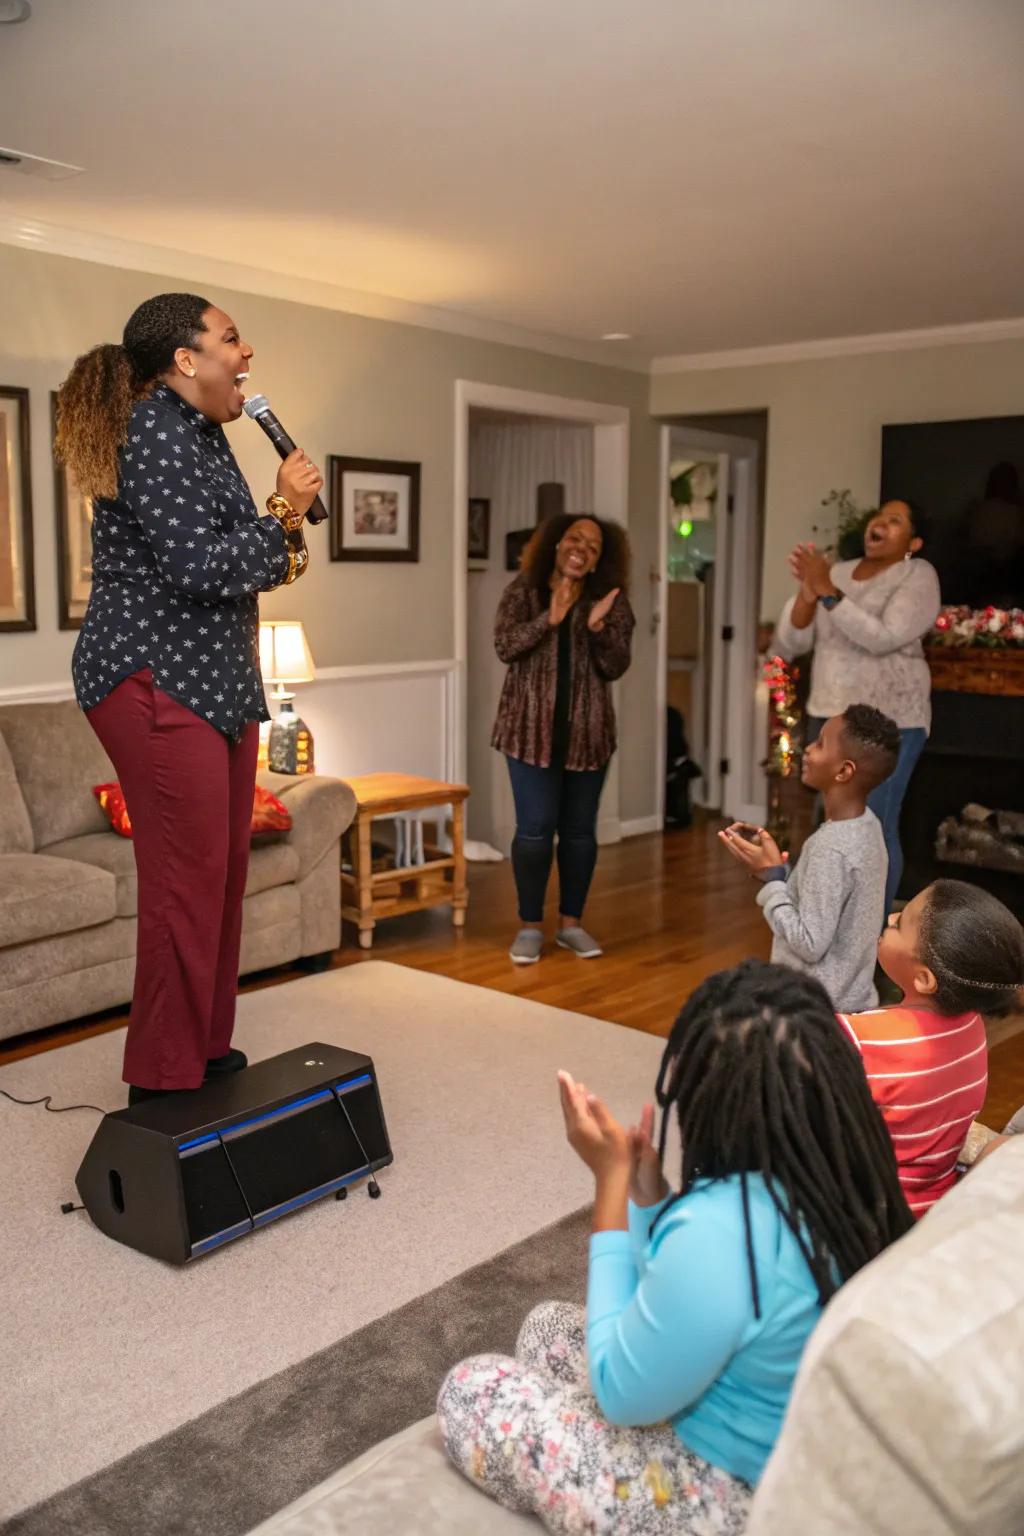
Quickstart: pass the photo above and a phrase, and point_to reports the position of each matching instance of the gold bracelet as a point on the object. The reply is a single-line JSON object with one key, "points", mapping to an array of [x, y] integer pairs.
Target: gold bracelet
{"points": [[281, 508]]}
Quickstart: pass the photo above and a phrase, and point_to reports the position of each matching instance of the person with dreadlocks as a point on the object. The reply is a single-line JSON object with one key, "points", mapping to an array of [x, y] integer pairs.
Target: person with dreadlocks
{"points": [[654, 1413], [827, 912], [954, 951], [166, 665]]}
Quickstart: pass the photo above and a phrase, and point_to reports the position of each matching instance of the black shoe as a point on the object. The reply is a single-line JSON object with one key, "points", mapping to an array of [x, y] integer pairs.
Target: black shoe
{"points": [[219, 1066], [140, 1095]]}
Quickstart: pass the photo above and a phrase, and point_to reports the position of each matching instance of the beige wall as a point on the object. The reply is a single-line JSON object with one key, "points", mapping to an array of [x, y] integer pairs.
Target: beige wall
{"points": [[343, 384], [825, 422]]}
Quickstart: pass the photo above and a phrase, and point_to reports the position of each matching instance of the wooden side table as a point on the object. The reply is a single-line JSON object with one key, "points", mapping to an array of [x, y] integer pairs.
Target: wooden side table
{"points": [[366, 895]]}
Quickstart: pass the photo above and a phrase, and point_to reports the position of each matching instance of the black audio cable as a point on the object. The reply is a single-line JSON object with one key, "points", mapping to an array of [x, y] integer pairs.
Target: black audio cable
{"points": [[61, 1109]]}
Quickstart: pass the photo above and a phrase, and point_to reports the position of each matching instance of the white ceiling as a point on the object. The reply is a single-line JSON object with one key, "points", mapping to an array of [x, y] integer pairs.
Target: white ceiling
{"points": [[704, 174]]}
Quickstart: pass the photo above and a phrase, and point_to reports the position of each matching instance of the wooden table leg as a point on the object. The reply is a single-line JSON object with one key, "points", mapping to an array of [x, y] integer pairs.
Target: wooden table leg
{"points": [[363, 870], [460, 889]]}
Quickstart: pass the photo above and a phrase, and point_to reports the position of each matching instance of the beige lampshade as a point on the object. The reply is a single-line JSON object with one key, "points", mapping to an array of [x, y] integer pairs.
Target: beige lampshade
{"points": [[285, 656]]}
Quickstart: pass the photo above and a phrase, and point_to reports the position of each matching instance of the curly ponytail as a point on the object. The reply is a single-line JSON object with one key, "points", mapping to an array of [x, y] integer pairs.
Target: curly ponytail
{"points": [[95, 401]]}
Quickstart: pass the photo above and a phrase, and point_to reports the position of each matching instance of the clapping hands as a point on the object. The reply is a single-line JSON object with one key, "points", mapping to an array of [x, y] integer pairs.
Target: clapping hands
{"points": [[812, 570], [600, 611], [607, 1147], [752, 847]]}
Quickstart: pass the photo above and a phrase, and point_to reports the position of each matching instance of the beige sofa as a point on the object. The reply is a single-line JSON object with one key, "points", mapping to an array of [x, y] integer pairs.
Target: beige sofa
{"points": [[68, 899]]}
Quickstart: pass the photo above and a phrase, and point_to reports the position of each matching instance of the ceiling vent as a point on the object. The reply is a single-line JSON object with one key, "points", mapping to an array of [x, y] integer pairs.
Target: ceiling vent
{"points": [[35, 165]]}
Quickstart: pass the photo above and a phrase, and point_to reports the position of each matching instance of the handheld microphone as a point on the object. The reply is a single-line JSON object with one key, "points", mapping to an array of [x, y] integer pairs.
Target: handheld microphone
{"points": [[258, 408]]}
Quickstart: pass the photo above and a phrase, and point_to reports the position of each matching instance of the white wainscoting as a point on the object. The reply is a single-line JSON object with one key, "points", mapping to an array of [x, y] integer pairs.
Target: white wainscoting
{"points": [[395, 716]]}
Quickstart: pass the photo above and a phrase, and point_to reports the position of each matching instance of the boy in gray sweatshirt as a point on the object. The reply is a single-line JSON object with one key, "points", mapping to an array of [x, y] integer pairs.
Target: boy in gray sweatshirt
{"points": [[828, 910]]}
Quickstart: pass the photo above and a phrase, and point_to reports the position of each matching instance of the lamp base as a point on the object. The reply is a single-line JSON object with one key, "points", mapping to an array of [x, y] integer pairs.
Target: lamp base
{"points": [[290, 748]]}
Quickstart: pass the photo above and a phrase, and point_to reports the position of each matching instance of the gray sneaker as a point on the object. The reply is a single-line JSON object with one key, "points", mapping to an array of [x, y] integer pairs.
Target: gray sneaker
{"points": [[526, 946], [579, 941]]}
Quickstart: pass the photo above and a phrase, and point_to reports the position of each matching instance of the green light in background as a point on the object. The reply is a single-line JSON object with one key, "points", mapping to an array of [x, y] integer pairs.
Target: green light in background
{"points": [[685, 528]]}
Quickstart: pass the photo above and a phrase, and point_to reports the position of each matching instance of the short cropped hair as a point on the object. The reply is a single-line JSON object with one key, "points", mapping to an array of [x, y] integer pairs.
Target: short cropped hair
{"points": [[873, 741]]}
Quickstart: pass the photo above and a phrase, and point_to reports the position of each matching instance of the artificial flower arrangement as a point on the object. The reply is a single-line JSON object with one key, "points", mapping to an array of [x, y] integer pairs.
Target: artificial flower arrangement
{"points": [[994, 628]]}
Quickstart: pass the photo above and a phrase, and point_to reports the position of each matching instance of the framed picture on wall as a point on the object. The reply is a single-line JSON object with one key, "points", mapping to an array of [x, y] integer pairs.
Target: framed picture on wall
{"points": [[74, 543], [479, 542], [375, 509], [17, 577]]}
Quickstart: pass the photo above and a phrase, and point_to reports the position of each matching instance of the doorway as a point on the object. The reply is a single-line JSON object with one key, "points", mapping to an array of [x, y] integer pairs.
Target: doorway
{"points": [[507, 442], [706, 597]]}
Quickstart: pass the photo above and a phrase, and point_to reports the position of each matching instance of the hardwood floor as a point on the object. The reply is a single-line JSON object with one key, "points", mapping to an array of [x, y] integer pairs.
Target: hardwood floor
{"points": [[669, 909]]}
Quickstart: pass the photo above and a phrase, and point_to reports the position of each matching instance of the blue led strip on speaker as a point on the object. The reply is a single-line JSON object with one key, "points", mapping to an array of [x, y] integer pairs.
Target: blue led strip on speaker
{"points": [[321, 1096], [241, 1228]]}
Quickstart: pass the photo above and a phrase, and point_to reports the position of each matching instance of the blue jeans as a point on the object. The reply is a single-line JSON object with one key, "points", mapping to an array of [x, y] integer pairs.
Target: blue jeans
{"points": [[887, 800], [550, 800]]}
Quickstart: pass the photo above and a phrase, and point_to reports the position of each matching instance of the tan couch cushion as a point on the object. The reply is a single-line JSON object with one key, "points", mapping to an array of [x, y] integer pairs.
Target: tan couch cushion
{"points": [[15, 827], [406, 1484], [58, 759], [270, 865], [105, 850], [40, 896], [907, 1418]]}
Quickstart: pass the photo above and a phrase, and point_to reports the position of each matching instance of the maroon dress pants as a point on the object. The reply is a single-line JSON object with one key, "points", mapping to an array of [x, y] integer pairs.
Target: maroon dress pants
{"points": [[189, 795]]}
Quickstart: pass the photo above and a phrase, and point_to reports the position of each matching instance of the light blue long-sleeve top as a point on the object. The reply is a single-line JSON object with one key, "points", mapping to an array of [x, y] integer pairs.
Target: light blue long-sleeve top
{"points": [[671, 1330]]}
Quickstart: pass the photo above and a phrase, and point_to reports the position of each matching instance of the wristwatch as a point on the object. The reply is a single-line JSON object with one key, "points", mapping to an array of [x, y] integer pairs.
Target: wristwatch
{"points": [[830, 600]]}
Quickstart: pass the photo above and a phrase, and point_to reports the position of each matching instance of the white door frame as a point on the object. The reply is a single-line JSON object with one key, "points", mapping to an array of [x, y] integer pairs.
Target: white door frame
{"points": [[611, 500], [742, 733]]}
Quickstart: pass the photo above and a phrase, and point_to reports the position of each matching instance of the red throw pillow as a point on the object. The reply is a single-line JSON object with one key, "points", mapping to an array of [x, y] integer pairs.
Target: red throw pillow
{"points": [[270, 819], [111, 799]]}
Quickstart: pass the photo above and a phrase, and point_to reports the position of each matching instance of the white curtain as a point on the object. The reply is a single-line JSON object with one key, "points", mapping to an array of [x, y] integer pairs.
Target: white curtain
{"points": [[507, 462]]}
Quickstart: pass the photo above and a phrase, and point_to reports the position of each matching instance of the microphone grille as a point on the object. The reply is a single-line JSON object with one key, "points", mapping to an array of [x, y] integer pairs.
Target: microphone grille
{"points": [[256, 405]]}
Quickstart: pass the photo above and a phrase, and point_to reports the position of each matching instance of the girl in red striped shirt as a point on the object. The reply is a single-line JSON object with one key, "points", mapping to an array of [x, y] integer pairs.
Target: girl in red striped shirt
{"points": [[954, 951]]}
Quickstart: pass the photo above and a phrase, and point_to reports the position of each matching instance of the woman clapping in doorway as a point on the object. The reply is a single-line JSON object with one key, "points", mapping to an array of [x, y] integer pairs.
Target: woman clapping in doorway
{"points": [[564, 628]]}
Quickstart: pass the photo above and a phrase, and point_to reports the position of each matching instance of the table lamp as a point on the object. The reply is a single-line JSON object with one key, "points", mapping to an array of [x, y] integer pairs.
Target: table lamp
{"points": [[285, 658]]}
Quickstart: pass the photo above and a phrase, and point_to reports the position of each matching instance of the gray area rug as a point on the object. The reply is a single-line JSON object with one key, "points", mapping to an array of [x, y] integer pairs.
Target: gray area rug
{"points": [[234, 1466], [107, 1351]]}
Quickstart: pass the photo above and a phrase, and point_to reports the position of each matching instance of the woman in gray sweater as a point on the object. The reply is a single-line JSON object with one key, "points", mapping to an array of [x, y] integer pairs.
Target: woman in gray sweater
{"points": [[864, 619]]}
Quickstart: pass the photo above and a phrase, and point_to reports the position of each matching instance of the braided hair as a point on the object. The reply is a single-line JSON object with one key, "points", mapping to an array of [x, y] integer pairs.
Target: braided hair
{"points": [[96, 399], [765, 1081], [974, 947]]}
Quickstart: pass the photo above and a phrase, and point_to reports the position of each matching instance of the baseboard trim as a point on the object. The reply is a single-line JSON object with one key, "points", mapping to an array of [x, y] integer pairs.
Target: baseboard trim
{"points": [[641, 824]]}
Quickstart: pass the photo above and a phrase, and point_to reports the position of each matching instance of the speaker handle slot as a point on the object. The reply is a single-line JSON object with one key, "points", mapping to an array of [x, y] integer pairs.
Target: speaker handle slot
{"points": [[116, 1190]]}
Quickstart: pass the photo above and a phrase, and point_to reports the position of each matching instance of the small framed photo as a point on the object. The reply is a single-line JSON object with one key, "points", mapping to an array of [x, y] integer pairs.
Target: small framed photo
{"points": [[17, 576], [479, 541], [375, 509], [74, 543]]}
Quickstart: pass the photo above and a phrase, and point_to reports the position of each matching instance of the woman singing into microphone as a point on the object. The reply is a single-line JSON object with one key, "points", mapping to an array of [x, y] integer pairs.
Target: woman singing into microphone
{"points": [[167, 661]]}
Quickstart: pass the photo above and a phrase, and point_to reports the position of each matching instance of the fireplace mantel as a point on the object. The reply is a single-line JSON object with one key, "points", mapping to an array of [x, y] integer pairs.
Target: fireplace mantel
{"points": [[977, 669]]}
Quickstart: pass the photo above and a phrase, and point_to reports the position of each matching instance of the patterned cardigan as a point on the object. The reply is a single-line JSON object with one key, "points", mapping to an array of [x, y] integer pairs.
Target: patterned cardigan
{"points": [[525, 640]]}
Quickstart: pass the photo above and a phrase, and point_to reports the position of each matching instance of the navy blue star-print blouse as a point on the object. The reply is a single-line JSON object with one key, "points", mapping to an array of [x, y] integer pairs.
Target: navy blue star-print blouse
{"points": [[178, 556]]}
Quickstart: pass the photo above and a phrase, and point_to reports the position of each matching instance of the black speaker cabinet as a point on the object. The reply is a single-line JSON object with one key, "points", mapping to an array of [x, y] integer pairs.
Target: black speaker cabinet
{"points": [[177, 1176]]}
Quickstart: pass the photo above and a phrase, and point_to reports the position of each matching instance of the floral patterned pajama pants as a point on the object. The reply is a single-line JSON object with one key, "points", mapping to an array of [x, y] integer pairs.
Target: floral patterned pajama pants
{"points": [[529, 1433]]}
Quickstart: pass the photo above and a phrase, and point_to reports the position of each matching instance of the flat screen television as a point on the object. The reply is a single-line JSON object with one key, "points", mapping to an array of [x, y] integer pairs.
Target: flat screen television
{"points": [[968, 477]]}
